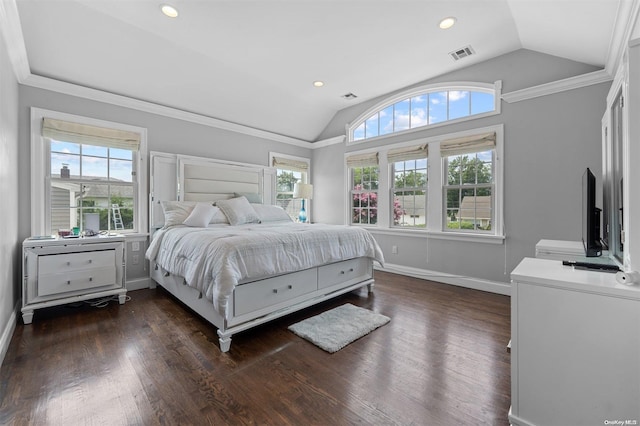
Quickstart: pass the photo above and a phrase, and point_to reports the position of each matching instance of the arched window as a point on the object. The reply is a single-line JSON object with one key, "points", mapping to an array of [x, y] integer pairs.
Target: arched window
{"points": [[430, 105]]}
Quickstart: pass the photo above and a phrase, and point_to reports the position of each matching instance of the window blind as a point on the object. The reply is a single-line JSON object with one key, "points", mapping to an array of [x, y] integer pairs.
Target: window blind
{"points": [[290, 164], [363, 160], [67, 131], [408, 153], [468, 144]]}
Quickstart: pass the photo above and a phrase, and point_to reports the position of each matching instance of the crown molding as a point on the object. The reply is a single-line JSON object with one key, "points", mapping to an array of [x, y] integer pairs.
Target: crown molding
{"points": [[583, 80], [127, 102], [12, 33], [625, 20], [327, 142]]}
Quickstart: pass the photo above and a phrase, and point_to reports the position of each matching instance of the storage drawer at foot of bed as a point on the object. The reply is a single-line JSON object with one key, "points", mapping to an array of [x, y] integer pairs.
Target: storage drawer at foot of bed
{"points": [[271, 291], [348, 271]]}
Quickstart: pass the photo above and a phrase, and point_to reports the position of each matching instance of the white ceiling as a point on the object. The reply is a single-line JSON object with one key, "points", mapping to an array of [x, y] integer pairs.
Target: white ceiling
{"points": [[253, 62]]}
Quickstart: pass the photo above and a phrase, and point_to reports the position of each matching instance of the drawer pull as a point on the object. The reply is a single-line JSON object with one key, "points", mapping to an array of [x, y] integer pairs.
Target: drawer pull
{"points": [[68, 263], [90, 278], [90, 260], [68, 282], [350, 270], [289, 287]]}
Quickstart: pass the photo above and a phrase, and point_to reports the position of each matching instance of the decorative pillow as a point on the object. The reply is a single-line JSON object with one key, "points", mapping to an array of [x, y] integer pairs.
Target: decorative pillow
{"points": [[269, 213], [201, 215], [238, 211], [176, 212], [218, 216], [251, 197]]}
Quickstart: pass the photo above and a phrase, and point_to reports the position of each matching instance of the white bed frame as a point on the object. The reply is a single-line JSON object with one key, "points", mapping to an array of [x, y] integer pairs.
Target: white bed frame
{"points": [[186, 178]]}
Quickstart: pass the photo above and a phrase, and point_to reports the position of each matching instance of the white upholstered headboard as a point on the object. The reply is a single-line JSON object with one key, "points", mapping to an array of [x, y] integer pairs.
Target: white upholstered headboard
{"points": [[187, 178]]}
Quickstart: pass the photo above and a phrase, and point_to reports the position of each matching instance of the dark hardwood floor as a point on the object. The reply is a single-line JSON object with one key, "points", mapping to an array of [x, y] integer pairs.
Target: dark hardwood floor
{"points": [[442, 360]]}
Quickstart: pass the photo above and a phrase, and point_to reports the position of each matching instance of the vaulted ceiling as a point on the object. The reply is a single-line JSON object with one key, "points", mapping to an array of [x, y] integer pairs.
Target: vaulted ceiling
{"points": [[253, 62]]}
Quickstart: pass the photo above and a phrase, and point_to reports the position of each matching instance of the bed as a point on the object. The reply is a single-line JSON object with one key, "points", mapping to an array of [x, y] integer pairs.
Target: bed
{"points": [[221, 246]]}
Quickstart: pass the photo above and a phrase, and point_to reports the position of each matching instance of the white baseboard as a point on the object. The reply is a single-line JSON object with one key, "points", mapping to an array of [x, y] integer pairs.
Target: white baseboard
{"points": [[7, 333], [461, 281], [138, 283]]}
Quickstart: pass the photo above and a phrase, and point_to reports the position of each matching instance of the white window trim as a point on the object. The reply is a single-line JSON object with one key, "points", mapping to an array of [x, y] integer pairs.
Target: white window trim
{"points": [[292, 157], [435, 206], [496, 88], [40, 165], [308, 207]]}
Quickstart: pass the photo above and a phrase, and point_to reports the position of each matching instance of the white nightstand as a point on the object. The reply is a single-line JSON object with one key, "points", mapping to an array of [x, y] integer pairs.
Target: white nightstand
{"points": [[65, 270]]}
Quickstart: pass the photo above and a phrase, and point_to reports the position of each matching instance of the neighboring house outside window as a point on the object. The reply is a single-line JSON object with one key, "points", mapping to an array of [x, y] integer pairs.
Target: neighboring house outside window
{"points": [[289, 171], [432, 105], [85, 172], [468, 191], [409, 186]]}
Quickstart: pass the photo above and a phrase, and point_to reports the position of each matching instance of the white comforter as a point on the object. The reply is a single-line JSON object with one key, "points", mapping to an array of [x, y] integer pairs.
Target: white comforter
{"points": [[215, 259]]}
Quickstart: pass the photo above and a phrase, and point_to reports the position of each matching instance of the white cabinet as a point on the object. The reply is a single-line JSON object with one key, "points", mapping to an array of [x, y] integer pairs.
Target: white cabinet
{"points": [[575, 346], [60, 271]]}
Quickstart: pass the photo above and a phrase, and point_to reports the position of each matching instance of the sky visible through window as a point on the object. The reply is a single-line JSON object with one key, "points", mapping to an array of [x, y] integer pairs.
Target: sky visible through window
{"points": [[97, 162], [424, 110]]}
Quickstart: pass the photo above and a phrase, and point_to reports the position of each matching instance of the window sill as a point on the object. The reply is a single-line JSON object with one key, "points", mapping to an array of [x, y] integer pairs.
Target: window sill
{"points": [[133, 236], [439, 235]]}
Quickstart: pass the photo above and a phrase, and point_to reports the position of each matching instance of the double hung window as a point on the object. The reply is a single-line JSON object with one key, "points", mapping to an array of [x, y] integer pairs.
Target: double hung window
{"points": [[85, 176], [447, 185], [469, 189], [409, 186], [364, 177], [289, 171]]}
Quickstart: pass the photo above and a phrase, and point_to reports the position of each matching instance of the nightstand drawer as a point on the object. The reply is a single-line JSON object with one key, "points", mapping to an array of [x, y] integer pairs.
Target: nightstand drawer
{"points": [[65, 282], [69, 262]]}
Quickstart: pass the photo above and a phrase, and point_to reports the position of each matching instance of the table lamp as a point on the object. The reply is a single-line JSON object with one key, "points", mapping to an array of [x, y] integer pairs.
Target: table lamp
{"points": [[303, 191]]}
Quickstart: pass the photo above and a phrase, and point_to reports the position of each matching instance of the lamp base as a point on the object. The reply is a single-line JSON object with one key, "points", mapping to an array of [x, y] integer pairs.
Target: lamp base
{"points": [[302, 217]]}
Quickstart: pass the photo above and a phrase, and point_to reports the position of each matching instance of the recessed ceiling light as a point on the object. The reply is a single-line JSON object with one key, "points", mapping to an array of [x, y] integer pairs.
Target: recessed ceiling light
{"points": [[169, 10], [318, 83], [447, 23]]}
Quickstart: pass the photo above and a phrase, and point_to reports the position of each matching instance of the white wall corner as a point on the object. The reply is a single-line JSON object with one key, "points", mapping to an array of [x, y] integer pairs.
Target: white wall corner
{"points": [[7, 333]]}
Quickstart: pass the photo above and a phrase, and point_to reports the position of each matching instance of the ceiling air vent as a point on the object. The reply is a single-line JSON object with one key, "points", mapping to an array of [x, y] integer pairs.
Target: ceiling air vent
{"points": [[462, 53], [349, 96]]}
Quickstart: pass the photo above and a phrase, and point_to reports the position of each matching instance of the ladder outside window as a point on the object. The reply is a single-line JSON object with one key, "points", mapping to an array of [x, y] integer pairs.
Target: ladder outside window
{"points": [[117, 217]]}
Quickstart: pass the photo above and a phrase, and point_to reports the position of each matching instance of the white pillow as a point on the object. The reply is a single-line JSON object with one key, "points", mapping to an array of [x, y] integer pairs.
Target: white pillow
{"points": [[175, 212], [201, 215], [253, 198], [218, 216], [269, 213], [238, 211]]}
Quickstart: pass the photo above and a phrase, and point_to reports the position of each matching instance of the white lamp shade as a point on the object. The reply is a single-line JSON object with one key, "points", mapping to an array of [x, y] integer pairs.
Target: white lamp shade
{"points": [[303, 190]]}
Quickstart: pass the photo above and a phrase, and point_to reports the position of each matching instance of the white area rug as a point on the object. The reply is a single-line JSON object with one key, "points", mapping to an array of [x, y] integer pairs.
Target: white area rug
{"points": [[336, 328]]}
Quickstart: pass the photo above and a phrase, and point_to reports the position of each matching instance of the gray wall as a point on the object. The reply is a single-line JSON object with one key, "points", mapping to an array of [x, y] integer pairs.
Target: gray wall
{"points": [[548, 142], [163, 134], [9, 239]]}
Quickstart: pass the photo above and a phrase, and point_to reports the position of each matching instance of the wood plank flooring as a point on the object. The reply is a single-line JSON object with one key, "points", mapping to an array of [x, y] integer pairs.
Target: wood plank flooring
{"points": [[442, 360]]}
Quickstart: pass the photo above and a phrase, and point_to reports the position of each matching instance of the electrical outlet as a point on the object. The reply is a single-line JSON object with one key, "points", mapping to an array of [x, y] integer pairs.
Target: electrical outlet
{"points": [[394, 249], [135, 246], [135, 259]]}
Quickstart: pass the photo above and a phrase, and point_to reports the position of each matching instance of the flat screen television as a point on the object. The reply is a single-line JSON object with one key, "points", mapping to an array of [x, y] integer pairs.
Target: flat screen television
{"points": [[590, 216]]}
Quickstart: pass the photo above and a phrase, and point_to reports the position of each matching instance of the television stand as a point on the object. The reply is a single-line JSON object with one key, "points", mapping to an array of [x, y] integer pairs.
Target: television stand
{"points": [[575, 345]]}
